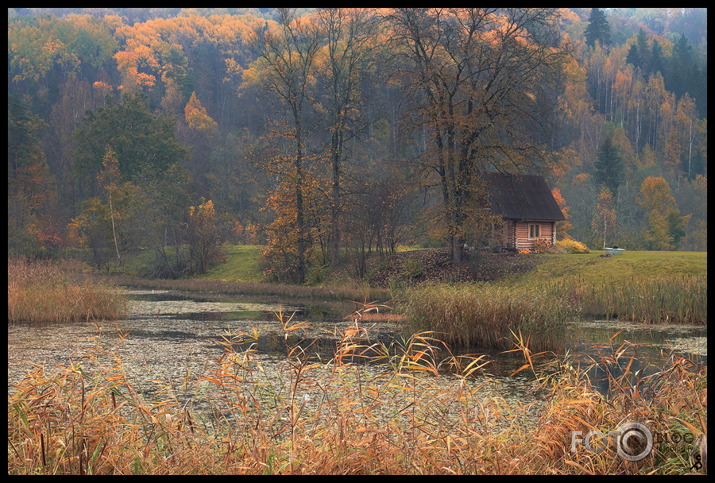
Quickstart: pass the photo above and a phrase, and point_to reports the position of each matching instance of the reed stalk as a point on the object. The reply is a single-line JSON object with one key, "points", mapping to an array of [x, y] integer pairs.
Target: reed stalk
{"points": [[42, 292], [660, 299], [484, 314]]}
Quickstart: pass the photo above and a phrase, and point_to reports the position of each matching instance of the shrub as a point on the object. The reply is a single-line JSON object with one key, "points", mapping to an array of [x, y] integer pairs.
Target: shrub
{"points": [[204, 237], [573, 246], [413, 269], [316, 274], [542, 245]]}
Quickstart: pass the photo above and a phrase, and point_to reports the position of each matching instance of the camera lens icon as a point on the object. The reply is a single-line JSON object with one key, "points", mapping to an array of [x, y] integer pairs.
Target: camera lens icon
{"points": [[635, 441]]}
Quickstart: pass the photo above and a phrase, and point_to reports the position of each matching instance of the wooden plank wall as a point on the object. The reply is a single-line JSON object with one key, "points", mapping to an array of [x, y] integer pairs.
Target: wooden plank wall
{"points": [[522, 233], [508, 234]]}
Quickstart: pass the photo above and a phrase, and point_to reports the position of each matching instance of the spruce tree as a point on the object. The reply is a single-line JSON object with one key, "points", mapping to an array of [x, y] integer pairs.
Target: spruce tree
{"points": [[656, 58], [609, 165], [633, 57], [598, 29]]}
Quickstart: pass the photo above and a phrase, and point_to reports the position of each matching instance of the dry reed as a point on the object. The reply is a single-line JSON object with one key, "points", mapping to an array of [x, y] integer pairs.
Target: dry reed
{"points": [[660, 299], [484, 314], [41, 292], [374, 408]]}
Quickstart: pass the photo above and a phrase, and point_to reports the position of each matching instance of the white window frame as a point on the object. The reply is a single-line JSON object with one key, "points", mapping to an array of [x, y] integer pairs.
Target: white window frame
{"points": [[534, 231]]}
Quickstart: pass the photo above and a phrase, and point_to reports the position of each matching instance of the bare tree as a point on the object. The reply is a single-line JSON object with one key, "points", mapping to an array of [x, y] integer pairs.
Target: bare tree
{"points": [[348, 34]]}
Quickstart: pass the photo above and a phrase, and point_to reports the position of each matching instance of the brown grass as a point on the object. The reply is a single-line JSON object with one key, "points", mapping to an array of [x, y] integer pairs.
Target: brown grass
{"points": [[388, 416], [42, 292]]}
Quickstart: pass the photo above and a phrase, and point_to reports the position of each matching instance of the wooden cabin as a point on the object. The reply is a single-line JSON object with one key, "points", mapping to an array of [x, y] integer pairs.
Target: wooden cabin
{"points": [[526, 206]]}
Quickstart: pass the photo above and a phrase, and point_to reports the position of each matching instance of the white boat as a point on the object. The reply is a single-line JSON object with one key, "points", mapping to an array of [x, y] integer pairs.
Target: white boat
{"points": [[614, 251]]}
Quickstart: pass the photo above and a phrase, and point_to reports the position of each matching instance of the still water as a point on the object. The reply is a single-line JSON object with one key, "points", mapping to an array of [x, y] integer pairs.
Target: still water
{"points": [[173, 336]]}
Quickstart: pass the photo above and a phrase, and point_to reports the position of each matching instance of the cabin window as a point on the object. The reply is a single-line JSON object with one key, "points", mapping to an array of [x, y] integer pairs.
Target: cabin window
{"points": [[533, 231]]}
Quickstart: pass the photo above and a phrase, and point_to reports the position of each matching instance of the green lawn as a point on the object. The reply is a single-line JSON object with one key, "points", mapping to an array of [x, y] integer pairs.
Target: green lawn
{"points": [[242, 264], [631, 264]]}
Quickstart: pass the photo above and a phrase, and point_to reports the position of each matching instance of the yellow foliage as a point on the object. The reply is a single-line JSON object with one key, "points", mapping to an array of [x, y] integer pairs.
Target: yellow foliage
{"points": [[196, 116], [572, 246]]}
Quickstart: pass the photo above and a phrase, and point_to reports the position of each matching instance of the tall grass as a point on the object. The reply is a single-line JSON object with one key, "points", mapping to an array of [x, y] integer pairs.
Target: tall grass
{"points": [[41, 291], [485, 314], [678, 299], [392, 416]]}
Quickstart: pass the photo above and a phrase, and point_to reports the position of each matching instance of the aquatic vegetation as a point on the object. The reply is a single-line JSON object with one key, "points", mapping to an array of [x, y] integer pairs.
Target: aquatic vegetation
{"points": [[414, 409], [42, 292], [485, 314], [654, 299]]}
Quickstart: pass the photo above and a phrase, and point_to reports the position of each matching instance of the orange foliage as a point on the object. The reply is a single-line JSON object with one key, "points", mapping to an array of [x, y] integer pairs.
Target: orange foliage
{"points": [[145, 60], [102, 87], [562, 227], [655, 195]]}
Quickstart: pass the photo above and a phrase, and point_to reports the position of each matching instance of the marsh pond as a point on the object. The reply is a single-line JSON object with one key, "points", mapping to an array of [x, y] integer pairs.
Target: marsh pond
{"points": [[174, 338]]}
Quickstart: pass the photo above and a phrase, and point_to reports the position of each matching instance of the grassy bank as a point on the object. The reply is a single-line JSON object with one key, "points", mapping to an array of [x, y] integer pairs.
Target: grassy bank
{"points": [[242, 265], [595, 266], [42, 292], [241, 274], [646, 287], [641, 286], [680, 299], [354, 291], [340, 418]]}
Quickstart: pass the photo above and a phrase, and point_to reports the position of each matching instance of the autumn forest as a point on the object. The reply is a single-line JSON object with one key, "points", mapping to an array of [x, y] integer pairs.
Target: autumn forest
{"points": [[328, 135]]}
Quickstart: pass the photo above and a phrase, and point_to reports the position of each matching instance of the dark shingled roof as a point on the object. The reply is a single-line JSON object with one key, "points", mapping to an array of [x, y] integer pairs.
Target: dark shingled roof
{"points": [[521, 197]]}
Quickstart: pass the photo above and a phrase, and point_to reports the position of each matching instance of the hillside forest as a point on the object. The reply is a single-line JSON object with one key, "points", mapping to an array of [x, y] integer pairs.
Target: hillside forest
{"points": [[332, 135]]}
